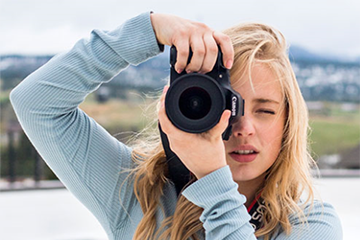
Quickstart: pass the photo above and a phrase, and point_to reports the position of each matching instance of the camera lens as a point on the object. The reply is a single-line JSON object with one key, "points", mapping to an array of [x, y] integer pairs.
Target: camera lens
{"points": [[195, 103]]}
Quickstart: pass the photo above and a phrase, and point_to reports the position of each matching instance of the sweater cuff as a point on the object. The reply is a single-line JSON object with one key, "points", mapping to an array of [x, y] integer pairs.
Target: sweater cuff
{"points": [[214, 188], [134, 41]]}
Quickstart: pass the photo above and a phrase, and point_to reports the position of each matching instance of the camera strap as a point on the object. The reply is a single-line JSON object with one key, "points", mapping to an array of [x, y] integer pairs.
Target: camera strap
{"points": [[178, 173], [256, 211]]}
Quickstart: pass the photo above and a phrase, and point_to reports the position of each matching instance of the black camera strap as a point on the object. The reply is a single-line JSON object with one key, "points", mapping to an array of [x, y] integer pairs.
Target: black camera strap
{"points": [[178, 173]]}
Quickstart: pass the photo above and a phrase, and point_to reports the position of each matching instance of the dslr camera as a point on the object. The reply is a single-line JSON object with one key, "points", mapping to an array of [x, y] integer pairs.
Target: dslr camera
{"points": [[195, 102]]}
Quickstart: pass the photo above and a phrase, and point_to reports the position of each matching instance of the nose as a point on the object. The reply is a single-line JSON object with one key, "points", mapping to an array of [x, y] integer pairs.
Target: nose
{"points": [[243, 127]]}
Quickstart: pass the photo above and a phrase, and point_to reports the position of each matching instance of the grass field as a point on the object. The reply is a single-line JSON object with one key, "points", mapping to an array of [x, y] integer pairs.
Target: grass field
{"points": [[335, 131], [328, 137], [119, 116]]}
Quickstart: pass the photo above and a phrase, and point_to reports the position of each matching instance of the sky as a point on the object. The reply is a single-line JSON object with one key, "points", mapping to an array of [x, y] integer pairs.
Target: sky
{"points": [[52, 26]]}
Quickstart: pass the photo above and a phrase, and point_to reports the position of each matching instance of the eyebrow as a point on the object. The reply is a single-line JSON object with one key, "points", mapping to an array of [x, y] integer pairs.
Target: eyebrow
{"points": [[265, 100]]}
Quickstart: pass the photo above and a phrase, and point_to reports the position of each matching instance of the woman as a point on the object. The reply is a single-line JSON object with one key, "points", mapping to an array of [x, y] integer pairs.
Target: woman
{"points": [[265, 160]]}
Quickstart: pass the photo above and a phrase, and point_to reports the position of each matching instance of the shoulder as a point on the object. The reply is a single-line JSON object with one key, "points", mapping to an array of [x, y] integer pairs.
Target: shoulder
{"points": [[321, 211], [322, 221]]}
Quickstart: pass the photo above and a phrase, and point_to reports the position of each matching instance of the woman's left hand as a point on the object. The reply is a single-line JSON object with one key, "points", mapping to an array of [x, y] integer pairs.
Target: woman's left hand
{"points": [[201, 153]]}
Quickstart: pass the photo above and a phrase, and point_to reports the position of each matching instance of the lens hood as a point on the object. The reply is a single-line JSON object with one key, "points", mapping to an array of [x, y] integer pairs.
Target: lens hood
{"points": [[194, 103]]}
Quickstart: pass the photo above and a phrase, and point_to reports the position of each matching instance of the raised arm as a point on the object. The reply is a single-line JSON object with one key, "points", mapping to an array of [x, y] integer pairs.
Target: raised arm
{"points": [[82, 154]]}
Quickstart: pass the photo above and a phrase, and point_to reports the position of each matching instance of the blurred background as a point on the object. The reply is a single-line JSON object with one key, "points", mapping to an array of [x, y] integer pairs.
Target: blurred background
{"points": [[324, 48]]}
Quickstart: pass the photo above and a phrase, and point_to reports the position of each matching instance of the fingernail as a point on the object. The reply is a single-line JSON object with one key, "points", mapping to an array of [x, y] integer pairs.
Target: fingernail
{"points": [[229, 64], [227, 114], [180, 71]]}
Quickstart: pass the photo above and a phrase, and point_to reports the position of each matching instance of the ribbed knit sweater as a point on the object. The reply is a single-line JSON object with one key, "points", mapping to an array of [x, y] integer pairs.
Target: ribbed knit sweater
{"points": [[90, 162]]}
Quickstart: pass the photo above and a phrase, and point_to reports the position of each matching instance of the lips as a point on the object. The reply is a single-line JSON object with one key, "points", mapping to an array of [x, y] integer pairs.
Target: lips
{"points": [[244, 153]]}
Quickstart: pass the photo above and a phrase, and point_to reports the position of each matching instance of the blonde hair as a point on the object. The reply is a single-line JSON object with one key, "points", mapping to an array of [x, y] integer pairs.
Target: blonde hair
{"points": [[287, 178]]}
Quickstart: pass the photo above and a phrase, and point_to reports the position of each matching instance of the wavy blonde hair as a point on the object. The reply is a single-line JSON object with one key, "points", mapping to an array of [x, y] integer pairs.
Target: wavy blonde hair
{"points": [[287, 178]]}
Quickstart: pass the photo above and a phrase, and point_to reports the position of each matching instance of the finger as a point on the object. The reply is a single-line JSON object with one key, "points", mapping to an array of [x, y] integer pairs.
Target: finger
{"points": [[198, 54], [163, 95], [166, 124], [163, 119], [182, 48], [222, 124], [211, 53], [227, 48]]}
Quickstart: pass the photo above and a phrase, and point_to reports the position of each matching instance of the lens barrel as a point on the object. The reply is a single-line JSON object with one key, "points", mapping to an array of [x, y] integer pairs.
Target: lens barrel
{"points": [[194, 103]]}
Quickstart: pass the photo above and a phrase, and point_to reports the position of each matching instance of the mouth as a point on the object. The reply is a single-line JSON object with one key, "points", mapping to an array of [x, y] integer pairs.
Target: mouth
{"points": [[244, 152], [244, 155]]}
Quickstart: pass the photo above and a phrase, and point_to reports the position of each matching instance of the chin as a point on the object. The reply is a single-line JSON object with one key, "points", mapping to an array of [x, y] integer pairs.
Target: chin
{"points": [[242, 174], [243, 179]]}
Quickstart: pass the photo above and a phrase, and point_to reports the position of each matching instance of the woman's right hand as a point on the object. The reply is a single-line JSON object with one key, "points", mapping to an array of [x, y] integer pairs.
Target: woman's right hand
{"points": [[184, 34]]}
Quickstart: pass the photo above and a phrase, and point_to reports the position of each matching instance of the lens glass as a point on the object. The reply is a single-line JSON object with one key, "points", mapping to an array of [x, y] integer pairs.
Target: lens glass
{"points": [[195, 103]]}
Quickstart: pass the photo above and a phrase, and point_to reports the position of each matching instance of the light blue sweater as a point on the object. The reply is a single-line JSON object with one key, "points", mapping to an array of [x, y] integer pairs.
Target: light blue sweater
{"points": [[89, 161]]}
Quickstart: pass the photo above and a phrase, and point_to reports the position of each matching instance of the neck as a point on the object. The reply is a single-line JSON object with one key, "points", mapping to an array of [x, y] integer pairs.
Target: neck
{"points": [[251, 188]]}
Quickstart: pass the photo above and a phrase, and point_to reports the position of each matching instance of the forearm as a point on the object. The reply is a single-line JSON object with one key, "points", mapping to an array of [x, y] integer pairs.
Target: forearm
{"points": [[225, 215]]}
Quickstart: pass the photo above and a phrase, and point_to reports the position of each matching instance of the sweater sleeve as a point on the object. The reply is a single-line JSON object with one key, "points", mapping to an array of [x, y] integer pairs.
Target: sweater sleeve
{"points": [[225, 215], [322, 223], [86, 158]]}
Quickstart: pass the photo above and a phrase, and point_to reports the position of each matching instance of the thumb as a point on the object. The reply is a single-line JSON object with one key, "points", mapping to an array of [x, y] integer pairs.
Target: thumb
{"points": [[222, 124]]}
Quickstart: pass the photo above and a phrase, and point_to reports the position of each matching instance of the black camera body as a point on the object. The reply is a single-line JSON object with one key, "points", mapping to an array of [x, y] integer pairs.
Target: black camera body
{"points": [[195, 102]]}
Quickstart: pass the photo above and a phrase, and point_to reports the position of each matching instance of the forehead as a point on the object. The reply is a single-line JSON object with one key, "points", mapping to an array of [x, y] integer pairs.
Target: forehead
{"points": [[261, 83]]}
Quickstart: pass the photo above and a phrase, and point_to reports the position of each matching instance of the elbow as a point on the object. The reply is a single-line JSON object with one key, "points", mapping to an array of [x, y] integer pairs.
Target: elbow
{"points": [[19, 99], [15, 98]]}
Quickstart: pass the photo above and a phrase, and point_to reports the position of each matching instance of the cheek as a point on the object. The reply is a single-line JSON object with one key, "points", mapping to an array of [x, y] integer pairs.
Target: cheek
{"points": [[271, 138], [227, 145]]}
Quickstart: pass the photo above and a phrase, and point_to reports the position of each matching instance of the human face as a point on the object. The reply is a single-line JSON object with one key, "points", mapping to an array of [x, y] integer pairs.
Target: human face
{"points": [[260, 130]]}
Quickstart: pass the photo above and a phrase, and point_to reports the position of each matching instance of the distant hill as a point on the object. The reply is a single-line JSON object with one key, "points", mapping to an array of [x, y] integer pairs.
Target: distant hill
{"points": [[15, 68], [301, 54], [297, 53]]}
